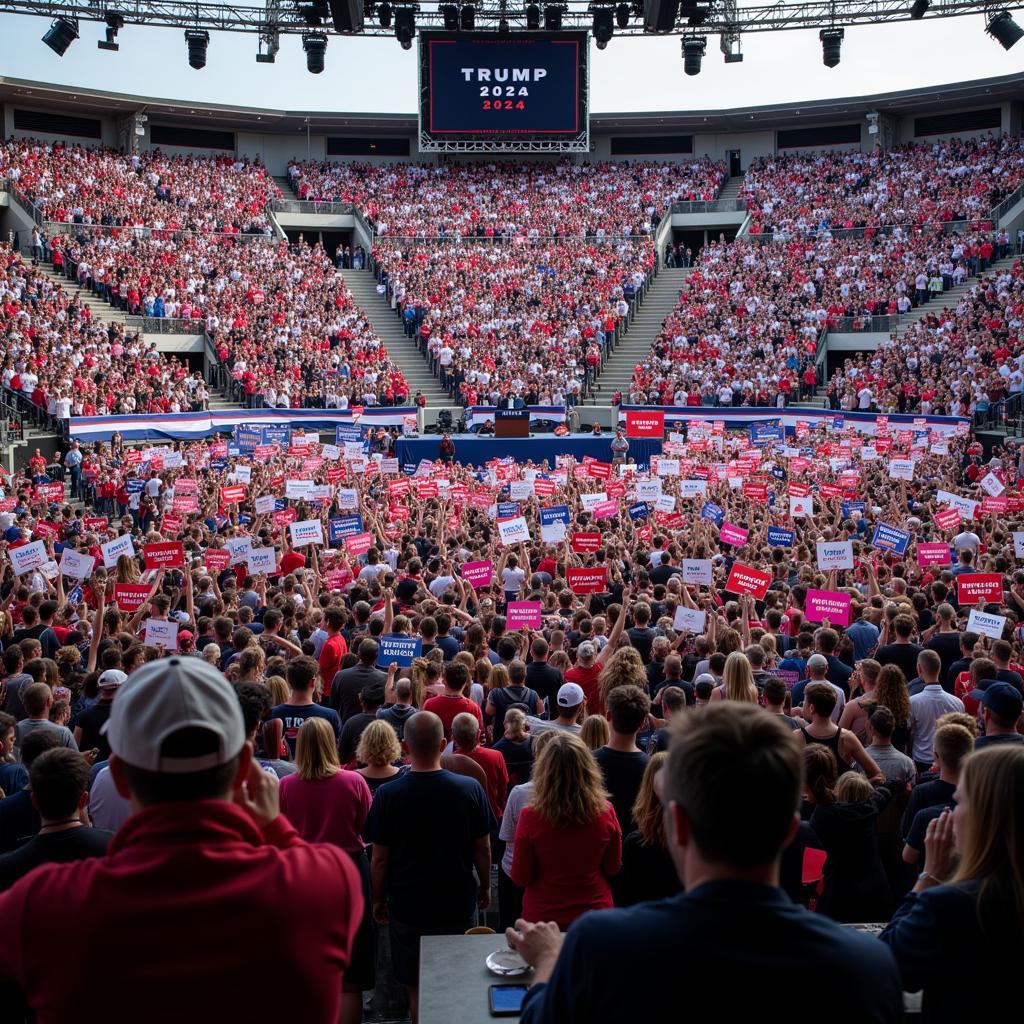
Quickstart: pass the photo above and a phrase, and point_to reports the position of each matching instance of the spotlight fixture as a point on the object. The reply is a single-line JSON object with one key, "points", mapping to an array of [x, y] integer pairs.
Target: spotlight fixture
{"points": [[197, 39], [61, 34], [694, 48], [831, 44], [468, 17], [114, 24], [622, 13], [603, 25], [270, 43], [405, 26], [1001, 27], [918, 9], [384, 15], [450, 14], [532, 16], [553, 18], [315, 46]]}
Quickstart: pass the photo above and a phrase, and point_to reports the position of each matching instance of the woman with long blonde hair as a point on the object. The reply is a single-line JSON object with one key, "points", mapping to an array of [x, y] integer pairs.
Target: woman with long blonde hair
{"points": [[127, 569], [568, 844], [328, 804], [970, 896], [737, 680], [623, 668], [648, 871]]}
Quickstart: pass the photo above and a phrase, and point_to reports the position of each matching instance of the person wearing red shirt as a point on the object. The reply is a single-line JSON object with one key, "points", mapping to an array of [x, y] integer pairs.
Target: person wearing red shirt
{"points": [[291, 559], [453, 701], [203, 863], [568, 843], [585, 675], [334, 649], [466, 736]]}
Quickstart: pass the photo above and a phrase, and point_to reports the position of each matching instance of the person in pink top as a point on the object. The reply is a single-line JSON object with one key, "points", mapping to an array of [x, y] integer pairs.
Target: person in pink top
{"points": [[328, 804]]}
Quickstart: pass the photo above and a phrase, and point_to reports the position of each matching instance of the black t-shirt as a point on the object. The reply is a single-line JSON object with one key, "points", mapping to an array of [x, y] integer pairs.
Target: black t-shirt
{"points": [[642, 638], [903, 656], [350, 733], [430, 821], [292, 717], [19, 820], [90, 721], [623, 774], [540, 676], [663, 573], [947, 647], [926, 794], [53, 848], [518, 759]]}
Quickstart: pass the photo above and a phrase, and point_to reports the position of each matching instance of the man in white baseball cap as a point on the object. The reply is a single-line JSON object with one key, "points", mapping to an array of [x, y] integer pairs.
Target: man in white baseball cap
{"points": [[569, 700], [200, 867]]}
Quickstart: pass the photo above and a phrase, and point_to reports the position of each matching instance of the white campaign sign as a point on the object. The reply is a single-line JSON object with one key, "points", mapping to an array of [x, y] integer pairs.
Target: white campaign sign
{"points": [[835, 555], [331, 452], [261, 560], [693, 488], [901, 469], [243, 474], [239, 548], [75, 565], [648, 490], [28, 556], [690, 619], [114, 549], [991, 484], [665, 503], [309, 531], [297, 488], [668, 467], [161, 634], [965, 506], [588, 501], [513, 531], [1018, 544], [552, 533], [520, 490], [348, 497], [801, 507], [697, 571], [987, 625], [265, 504]]}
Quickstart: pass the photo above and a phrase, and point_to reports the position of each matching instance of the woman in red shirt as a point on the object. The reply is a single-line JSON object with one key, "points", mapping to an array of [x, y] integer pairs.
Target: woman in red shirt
{"points": [[568, 843]]}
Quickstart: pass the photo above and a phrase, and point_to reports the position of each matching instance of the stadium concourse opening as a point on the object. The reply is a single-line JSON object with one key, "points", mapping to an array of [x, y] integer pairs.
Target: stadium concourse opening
{"points": [[497, 553]]}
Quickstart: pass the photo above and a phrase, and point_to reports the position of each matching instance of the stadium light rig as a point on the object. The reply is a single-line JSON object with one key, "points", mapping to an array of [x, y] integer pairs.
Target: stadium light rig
{"points": [[197, 40], [694, 48], [314, 45], [604, 26], [114, 23], [61, 34], [831, 45], [1003, 29], [405, 26]]}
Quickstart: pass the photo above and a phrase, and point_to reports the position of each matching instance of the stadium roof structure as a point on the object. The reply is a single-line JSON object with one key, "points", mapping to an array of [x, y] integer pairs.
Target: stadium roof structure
{"points": [[960, 95]]}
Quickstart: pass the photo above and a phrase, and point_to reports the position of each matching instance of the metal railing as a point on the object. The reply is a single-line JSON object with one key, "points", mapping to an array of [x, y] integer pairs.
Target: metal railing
{"points": [[1010, 201], [26, 204], [324, 206], [710, 206], [1001, 414], [526, 240], [164, 324], [865, 324], [146, 233]]}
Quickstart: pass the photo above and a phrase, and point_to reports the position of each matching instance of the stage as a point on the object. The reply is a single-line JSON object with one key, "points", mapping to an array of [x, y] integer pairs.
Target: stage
{"points": [[473, 450]]}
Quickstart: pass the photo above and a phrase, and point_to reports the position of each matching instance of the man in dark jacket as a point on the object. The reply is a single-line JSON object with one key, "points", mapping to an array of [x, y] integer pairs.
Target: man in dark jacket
{"points": [[349, 683]]}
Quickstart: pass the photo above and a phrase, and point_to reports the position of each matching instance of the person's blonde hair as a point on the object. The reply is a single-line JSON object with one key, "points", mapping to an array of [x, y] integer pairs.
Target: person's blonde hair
{"points": [[278, 687], [738, 679], [992, 850], [852, 788], [595, 732], [969, 722], [567, 785], [127, 569], [624, 668], [378, 744], [316, 750], [647, 810], [498, 677], [515, 724]]}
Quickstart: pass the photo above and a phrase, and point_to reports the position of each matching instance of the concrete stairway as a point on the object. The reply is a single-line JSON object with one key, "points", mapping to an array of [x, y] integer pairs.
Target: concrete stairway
{"points": [[388, 325], [732, 187], [662, 297], [284, 183]]}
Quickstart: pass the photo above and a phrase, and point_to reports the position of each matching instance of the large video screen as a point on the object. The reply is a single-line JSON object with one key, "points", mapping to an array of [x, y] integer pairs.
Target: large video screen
{"points": [[487, 87]]}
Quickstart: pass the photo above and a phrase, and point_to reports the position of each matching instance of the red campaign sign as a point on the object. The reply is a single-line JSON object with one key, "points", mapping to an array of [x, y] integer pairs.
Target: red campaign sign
{"points": [[799, 464], [299, 451], [217, 559], [277, 482], [219, 450], [335, 474], [8, 504], [156, 463], [426, 489], [171, 524], [166, 554], [605, 509], [284, 516], [756, 492], [645, 532], [337, 579], [264, 452], [615, 489], [50, 492], [480, 501], [95, 522], [460, 492], [232, 495], [543, 488], [358, 543], [42, 529], [599, 470], [732, 534], [130, 597], [372, 468], [975, 587], [670, 520], [995, 505], [933, 554], [947, 520], [132, 457], [830, 491], [645, 424], [744, 579], [185, 503], [400, 512], [584, 543], [797, 490], [586, 581], [397, 488]]}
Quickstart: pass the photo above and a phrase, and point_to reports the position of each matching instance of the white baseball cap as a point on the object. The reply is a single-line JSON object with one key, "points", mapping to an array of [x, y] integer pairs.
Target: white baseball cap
{"points": [[570, 695], [168, 695], [111, 679]]}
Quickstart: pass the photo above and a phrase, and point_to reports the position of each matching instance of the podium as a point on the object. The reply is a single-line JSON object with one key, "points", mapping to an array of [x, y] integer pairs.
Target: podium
{"points": [[511, 422]]}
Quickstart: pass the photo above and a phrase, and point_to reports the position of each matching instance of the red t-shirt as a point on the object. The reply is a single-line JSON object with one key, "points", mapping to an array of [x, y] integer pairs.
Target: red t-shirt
{"points": [[586, 679], [333, 650], [292, 561], [330, 810], [565, 871], [493, 764], [446, 708]]}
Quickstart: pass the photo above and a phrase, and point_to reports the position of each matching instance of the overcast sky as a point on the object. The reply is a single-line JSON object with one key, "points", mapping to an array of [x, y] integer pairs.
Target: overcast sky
{"points": [[633, 73]]}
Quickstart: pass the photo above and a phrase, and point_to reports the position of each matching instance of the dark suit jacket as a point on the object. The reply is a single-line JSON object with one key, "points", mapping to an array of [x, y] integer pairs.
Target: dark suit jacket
{"points": [[346, 685], [744, 949]]}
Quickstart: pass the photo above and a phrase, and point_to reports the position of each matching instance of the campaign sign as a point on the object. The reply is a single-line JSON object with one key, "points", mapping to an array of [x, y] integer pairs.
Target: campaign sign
{"points": [[507, 510], [668, 467], [261, 560], [638, 511], [991, 484], [347, 432], [765, 433], [477, 574], [697, 571], [693, 488], [75, 565], [554, 521], [586, 581], [729, 533], [1018, 544], [979, 588], [398, 650], [713, 512], [745, 579], [967, 507], [583, 543], [170, 523], [344, 526], [901, 469], [309, 531], [513, 531], [779, 537], [240, 548], [835, 554], [828, 604], [160, 633], [27, 557], [995, 506], [849, 507], [650, 490], [985, 624], [599, 470], [645, 424], [130, 597], [217, 559], [605, 509], [889, 538], [357, 544], [167, 554], [232, 495], [523, 615], [933, 554], [690, 620], [800, 508], [114, 549], [948, 520], [50, 492]]}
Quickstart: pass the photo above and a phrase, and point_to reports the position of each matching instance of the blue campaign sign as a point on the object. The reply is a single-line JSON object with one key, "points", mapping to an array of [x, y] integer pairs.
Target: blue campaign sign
{"points": [[281, 435], [554, 514], [508, 509], [838, 422], [763, 433], [218, 464], [779, 537], [398, 649], [280, 504], [890, 538], [347, 432], [134, 484], [713, 512], [409, 468], [234, 450], [344, 526], [247, 435], [639, 510], [849, 507]]}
